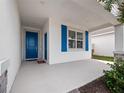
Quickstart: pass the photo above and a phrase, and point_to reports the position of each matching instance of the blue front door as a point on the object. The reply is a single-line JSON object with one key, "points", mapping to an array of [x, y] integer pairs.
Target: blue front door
{"points": [[45, 46], [31, 45]]}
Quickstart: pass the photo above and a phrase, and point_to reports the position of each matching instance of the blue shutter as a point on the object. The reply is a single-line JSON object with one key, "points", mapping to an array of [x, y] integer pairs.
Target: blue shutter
{"points": [[63, 38], [86, 40]]}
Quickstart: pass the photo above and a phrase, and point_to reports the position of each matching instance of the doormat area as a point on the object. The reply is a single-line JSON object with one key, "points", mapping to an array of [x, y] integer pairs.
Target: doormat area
{"points": [[97, 86], [40, 61]]}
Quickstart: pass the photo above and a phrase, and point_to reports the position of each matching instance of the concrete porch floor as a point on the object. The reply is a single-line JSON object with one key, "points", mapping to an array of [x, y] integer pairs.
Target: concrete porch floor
{"points": [[59, 78]]}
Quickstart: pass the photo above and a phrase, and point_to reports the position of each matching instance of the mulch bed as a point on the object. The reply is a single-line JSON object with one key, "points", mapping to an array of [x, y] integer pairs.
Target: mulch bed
{"points": [[97, 86]]}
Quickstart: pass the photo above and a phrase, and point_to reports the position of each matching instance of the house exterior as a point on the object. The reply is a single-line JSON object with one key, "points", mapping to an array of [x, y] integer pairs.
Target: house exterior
{"points": [[103, 41], [64, 43], [57, 31]]}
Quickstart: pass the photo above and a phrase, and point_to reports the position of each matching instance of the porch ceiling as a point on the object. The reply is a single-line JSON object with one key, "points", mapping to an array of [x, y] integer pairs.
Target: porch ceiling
{"points": [[87, 13]]}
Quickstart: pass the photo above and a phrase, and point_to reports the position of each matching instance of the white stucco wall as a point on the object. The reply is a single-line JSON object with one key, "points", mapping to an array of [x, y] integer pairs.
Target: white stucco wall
{"points": [[104, 42], [55, 54], [10, 38]]}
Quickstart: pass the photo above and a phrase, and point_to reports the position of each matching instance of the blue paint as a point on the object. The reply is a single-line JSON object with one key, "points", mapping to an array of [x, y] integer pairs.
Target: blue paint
{"points": [[63, 38], [31, 45], [45, 46], [86, 40]]}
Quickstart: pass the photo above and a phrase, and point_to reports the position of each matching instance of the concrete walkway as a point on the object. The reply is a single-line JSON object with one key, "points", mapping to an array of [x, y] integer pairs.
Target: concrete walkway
{"points": [[59, 78]]}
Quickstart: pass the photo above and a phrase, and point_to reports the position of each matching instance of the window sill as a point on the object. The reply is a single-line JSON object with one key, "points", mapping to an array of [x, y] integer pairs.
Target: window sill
{"points": [[75, 50]]}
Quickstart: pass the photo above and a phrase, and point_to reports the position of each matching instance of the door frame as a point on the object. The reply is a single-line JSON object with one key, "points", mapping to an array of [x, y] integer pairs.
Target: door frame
{"points": [[45, 40], [37, 45], [23, 41]]}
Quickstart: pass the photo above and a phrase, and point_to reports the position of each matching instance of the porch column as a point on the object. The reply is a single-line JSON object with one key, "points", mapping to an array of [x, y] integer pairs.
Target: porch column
{"points": [[119, 42]]}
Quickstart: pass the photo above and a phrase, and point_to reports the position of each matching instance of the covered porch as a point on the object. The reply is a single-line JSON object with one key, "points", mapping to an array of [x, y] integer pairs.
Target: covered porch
{"points": [[47, 16], [58, 78]]}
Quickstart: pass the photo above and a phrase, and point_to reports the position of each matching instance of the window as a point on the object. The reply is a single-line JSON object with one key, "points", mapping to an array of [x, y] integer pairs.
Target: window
{"points": [[72, 39], [72, 43], [75, 39], [79, 40], [71, 34]]}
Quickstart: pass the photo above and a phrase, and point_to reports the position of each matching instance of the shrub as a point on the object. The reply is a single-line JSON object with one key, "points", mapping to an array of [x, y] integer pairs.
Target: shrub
{"points": [[114, 78], [109, 4]]}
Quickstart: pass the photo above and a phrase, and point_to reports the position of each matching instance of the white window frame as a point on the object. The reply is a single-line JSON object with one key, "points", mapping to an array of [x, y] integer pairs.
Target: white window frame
{"points": [[83, 40]]}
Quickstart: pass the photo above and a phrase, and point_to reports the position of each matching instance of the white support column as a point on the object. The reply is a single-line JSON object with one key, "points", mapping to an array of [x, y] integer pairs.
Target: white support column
{"points": [[119, 38], [119, 41]]}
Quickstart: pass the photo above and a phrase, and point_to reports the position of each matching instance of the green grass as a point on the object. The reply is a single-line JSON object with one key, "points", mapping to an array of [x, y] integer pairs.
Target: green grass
{"points": [[105, 58]]}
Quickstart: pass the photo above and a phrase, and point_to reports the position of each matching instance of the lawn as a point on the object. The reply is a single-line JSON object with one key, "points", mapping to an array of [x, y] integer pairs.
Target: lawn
{"points": [[105, 58]]}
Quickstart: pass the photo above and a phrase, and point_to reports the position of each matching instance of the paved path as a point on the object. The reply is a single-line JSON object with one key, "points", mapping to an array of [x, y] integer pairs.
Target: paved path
{"points": [[59, 78]]}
